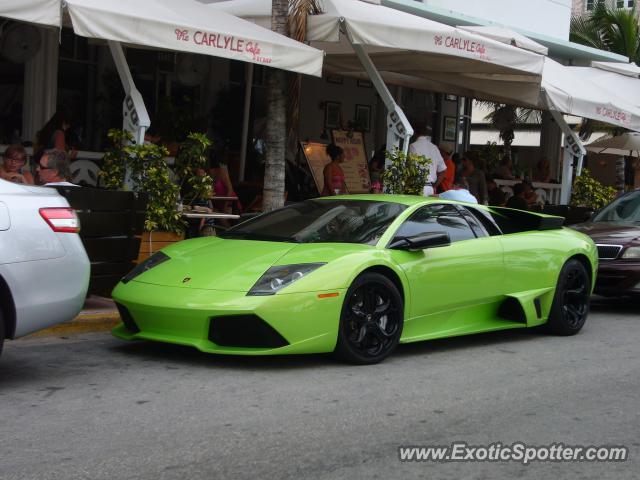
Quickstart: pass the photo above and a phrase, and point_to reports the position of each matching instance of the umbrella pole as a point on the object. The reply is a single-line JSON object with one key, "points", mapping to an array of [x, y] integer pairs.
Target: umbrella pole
{"points": [[572, 148], [399, 130], [135, 117]]}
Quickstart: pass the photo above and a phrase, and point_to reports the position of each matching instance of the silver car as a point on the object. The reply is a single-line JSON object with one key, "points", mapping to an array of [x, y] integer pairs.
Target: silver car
{"points": [[44, 269]]}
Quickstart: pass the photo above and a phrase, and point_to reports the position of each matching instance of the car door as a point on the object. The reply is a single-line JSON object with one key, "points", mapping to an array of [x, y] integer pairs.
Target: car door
{"points": [[467, 275]]}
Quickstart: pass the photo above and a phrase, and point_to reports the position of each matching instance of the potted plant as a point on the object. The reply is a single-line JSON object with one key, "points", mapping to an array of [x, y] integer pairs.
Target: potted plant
{"points": [[587, 196], [143, 169], [190, 167], [405, 173]]}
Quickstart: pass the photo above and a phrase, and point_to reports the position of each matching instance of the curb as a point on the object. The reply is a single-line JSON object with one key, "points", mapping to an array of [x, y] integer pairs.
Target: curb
{"points": [[83, 323]]}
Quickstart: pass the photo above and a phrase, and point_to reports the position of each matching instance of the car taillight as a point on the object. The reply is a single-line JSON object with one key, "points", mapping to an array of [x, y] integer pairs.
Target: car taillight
{"points": [[61, 219]]}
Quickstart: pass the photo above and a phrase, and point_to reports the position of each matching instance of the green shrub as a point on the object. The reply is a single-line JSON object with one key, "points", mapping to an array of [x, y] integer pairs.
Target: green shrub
{"points": [[149, 174], [191, 158], [407, 173], [588, 192]]}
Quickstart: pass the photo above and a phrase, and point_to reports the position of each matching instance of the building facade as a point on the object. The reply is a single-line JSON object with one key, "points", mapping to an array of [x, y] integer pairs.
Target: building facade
{"points": [[579, 7]]}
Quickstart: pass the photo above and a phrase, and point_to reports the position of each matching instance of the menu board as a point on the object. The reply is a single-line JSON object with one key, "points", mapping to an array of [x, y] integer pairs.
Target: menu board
{"points": [[355, 166], [317, 159]]}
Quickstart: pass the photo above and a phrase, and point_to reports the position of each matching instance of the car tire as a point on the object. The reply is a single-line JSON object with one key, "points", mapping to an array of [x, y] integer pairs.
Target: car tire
{"points": [[570, 305], [371, 320]]}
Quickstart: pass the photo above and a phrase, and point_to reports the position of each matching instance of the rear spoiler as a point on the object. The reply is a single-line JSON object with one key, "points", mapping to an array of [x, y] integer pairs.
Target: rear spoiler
{"points": [[520, 220]]}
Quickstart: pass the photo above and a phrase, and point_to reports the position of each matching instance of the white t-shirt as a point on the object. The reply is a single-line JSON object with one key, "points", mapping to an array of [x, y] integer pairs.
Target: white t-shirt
{"points": [[423, 146], [459, 195]]}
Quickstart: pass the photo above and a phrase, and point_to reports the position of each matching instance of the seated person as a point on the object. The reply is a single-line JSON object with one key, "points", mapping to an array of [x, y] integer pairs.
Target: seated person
{"points": [[497, 197], [12, 168], [543, 171], [505, 170], [530, 196], [517, 199], [459, 192], [53, 169]]}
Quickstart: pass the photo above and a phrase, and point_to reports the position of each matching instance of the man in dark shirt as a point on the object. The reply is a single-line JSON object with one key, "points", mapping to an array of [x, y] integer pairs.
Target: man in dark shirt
{"points": [[517, 200]]}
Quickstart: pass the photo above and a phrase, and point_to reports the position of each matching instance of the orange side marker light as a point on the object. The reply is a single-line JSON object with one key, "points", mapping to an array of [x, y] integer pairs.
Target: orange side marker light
{"points": [[328, 295]]}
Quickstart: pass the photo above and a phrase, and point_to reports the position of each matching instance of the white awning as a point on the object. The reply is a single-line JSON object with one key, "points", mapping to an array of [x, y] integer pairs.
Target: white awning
{"points": [[187, 26], [625, 85], [42, 12], [508, 36], [256, 11], [630, 69], [396, 41], [569, 90], [406, 44]]}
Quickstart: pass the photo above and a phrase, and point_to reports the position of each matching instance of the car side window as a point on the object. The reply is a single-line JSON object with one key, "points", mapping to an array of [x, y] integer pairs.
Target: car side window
{"points": [[485, 220], [436, 218], [474, 223]]}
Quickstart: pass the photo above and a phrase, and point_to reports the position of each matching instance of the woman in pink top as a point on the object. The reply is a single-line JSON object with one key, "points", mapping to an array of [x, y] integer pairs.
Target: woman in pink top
{"points": [[334, 183]]}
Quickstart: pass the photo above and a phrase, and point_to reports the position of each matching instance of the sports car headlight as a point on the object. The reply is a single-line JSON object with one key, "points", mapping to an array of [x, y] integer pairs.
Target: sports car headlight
{"points": [[153, 261], [631, 253], [276, 278]]}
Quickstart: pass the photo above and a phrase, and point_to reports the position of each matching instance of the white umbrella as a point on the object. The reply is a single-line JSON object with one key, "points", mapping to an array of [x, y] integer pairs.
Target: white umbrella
{"points": [[508, 36], [42, 12], [622, 145], [185, 26], [189, 26], [399, 42]]}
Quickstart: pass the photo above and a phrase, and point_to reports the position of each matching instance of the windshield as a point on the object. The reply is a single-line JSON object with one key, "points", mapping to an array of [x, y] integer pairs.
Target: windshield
{"points": [[313, 221], [624, 209]]}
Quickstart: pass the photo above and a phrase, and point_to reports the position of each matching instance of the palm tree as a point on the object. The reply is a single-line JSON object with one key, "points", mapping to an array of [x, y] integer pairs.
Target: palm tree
{"points": [[506, 118], [288, 17], [613, 30], [276, 131]]}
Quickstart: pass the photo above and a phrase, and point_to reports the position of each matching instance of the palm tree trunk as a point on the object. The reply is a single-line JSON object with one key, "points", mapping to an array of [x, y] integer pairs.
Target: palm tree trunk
{"points": [[274, 173], [297, 26]]}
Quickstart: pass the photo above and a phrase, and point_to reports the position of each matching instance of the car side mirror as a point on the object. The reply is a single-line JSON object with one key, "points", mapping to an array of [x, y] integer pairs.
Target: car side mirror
{"points": [[422, 241]]}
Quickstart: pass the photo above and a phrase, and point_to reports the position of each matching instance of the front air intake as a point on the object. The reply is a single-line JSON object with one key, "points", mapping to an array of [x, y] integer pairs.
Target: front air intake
{"points": [[248, 331], [127, 319]]}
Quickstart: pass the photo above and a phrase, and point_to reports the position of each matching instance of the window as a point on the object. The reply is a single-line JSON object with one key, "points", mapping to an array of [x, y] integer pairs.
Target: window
{"points": [[328, 220], [474, 223], [436, 218], [590, 4], [620, 3], [630, 3], [485, 219]]}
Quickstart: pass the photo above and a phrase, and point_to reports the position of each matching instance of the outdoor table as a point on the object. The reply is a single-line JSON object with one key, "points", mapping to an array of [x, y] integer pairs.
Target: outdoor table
{"points": [[226, 216]]}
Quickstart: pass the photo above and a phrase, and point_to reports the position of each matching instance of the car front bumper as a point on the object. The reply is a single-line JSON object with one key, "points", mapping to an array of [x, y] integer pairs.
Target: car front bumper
{"points": [[184, 316], [618, 277]]}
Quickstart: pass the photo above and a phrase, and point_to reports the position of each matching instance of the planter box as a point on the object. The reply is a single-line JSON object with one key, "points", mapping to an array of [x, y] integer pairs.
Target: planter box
{"points": [[151, 242], [111, 225]]}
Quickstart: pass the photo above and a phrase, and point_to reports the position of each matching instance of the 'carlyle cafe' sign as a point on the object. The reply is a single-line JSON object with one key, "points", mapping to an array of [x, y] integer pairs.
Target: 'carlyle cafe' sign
{"points": [[229, 43]]}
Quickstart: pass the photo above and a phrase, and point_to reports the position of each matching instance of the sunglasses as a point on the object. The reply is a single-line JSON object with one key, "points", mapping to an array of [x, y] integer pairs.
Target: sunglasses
{"points": [[17, 159], [40, 167]]}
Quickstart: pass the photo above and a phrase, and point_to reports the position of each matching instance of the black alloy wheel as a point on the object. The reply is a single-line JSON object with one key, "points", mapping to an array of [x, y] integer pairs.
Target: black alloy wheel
{"points": [[571, 301], [371, 321]]}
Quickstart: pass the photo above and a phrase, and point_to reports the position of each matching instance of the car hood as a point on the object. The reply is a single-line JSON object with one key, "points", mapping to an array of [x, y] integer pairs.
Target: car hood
{"points": [[615, 233], [235, 265]]}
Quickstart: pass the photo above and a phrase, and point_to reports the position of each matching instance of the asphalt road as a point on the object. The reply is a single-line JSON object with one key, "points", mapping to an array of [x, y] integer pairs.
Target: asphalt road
{"points": [[94, 407]]}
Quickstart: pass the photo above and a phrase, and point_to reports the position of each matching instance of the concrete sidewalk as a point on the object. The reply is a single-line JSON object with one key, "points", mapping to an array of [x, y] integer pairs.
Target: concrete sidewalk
{"points": [[98, 314]]}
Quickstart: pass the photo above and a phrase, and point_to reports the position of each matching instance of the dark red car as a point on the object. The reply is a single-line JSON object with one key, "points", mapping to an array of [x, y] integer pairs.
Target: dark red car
{"points": [[616, 231]]}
